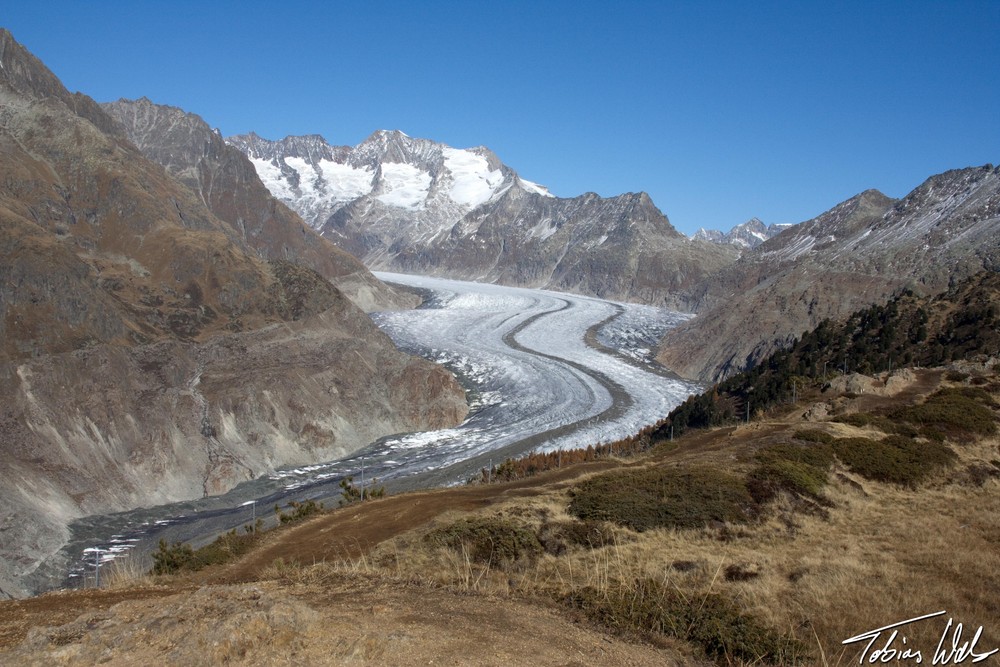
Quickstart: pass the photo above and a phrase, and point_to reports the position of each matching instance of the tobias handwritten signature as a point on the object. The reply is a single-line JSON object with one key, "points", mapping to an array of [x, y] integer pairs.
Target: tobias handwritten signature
{"points": [[951, 648]]}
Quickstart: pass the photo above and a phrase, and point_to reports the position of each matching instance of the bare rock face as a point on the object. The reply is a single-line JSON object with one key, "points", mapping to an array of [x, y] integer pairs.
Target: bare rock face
{"points": [[856, 254], [149, 353], [228, 185], [417, 206]]}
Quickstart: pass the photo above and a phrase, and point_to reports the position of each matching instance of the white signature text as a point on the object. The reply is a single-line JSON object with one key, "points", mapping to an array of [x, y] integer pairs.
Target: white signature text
{"points": [[888, 644]]}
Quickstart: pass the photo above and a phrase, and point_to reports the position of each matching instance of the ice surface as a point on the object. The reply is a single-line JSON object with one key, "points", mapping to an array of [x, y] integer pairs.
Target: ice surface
{"points": [[535, 188], [404, 185], [344, 182], [270, 175], [473, 182]]}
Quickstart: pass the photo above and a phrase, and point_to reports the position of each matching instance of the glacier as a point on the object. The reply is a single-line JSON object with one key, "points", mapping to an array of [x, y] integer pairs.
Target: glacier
{"points": [[543, 371]]}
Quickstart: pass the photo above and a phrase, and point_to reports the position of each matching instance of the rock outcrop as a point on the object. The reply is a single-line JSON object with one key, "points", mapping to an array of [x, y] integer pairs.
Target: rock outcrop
{"points": [[226, 182]]}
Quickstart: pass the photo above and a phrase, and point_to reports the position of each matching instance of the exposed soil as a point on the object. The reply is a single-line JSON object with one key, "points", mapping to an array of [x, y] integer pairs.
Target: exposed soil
{"points": [[359, 621]]}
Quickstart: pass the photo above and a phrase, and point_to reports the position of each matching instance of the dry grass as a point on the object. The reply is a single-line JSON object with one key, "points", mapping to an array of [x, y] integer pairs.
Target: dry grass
{"points": [[881, 553], [125, 572]]}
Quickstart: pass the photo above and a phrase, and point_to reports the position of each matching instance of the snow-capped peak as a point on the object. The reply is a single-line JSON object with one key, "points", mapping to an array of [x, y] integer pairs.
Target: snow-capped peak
{"points": [[389, 167]]}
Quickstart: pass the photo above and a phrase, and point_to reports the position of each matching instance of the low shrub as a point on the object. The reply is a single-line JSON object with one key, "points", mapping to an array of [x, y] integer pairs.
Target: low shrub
{"points": [[882, 423], [817, 455], [960, 413], [767, 479], [895, 459], [557, 538], [299, 511], [590, 534], [711, 621], [813, 435], [182, 557], [798, 469], [173, 558], [350, 493], [488, 540], [737, 572], [858, 419], [663, 498]]}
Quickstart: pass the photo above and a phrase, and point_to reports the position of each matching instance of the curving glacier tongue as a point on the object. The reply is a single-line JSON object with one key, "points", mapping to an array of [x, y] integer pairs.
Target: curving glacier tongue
{"points": [[525, 353], [543, 370]]}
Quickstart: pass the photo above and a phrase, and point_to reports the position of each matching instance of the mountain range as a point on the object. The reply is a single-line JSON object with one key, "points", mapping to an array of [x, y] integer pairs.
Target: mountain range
{"points": [[413, 205], [417, 206], [856, 254]]}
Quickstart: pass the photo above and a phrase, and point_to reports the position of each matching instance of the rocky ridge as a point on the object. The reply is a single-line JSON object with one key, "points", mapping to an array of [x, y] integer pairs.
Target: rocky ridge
{"points": [[855, 254], [227, 183], [417, 206], [149, 353]]}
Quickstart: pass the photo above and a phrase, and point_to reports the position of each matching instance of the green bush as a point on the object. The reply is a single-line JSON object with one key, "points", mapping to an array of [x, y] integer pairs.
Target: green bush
{"points": [[350, 493], [710, 621], [795, 477], [818, 455], [663, 498], [813, 435], [170, 559], [556, 538], [858, 419], [489, 540], [590, 534], [299, 511], [882, 423], [181, 557], [797, 469], [960, 413], [895, 459]]}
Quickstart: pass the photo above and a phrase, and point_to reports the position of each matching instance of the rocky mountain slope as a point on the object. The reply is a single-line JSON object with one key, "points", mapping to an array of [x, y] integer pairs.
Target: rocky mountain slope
{"points": [[228, 185], [149, 354], [750, 234], [853, 255], [416, 206]]}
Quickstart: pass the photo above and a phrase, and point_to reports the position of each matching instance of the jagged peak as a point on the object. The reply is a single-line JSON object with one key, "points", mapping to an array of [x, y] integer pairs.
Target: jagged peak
{"points": [[146, 103], [387, 136]]}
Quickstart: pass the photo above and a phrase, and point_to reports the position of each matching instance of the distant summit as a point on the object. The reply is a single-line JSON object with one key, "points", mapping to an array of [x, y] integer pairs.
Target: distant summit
{"points": [[749, 235]]}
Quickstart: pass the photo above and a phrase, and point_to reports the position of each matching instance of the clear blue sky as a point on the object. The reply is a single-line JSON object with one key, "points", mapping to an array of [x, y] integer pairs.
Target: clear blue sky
{"points": [[720, 111]]}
